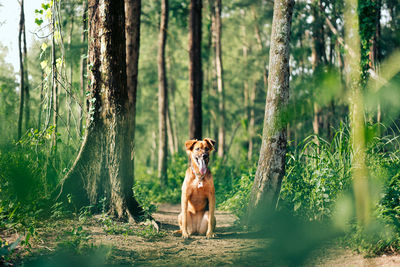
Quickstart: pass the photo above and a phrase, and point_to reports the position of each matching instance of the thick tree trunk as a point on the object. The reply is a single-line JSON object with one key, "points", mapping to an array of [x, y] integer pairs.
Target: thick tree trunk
{"points": [[195, 70], [104, 166], [21, 71], [162, 97], [271, 164], [357, 116], [217, 26], [83, 66]]}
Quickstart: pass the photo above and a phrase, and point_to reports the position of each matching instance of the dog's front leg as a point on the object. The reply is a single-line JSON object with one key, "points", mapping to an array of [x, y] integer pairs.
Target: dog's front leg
{"points": [[184, 208], [211, 220]]}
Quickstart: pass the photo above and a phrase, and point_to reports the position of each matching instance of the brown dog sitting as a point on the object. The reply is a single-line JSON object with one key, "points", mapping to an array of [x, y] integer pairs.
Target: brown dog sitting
{"points": [[198, 192]]}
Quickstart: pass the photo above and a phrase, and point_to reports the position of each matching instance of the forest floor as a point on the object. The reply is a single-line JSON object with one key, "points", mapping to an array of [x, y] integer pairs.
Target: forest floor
{"points": [[98, 241]]}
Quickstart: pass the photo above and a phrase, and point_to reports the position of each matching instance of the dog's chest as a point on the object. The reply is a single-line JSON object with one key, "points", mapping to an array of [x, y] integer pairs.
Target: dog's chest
{"points": [[198, 197]]}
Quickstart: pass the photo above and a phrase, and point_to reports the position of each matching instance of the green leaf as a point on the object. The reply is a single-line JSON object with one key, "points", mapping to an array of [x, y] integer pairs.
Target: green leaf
{"points": [[38, 21]]}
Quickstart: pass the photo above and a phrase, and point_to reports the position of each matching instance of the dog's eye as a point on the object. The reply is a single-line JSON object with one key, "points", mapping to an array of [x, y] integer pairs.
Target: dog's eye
{"points": [[197, 148], [207, 149]]}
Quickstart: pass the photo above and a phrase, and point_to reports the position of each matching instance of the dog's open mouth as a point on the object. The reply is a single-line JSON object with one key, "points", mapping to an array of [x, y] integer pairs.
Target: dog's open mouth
{"points": [[201, 164]]}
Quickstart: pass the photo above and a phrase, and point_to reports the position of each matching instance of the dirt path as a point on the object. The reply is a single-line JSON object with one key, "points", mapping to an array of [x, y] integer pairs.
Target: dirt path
{"points": [[230, 245], [93, 246]]}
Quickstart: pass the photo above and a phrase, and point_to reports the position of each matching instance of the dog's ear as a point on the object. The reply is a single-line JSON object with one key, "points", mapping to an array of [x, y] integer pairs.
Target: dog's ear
{"points": [[210, 142], [189, 144]]}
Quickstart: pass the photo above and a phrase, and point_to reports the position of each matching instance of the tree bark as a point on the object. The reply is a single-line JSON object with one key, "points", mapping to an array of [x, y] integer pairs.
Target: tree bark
{"points": [[170, 131], [83, 65], [162, 97], [104, 166], [26, 79], [54, 86], [260, 46], [195, 70], [318, 58], [374, 55], [69, 94], [21, 71], [41, 99], [132, 35], [217, 5], [252, 120], [271, 164]]}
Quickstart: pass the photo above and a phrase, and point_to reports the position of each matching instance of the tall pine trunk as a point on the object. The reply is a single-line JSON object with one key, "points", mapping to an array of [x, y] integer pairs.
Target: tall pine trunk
{"points": [[132, 35], [217, 29], [318, 58], [83, 65], [26, 79], [21, 71], [162, 96], [271, 164], [54, 85], [104, 166], [260, 46], [69, 94], [195, 70]]}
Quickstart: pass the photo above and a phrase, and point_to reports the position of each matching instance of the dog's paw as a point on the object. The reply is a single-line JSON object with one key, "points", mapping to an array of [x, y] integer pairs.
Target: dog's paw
{"points": [[210, 235], [185, 235]]}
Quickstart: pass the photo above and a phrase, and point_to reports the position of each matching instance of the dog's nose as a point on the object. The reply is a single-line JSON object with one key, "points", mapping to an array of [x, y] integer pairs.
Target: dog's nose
{"points": [[205, 156]]}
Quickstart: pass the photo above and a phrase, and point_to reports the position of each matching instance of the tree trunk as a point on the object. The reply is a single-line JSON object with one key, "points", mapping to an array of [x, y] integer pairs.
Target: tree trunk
{"points": [[54, 86], [21, 71], [172, 115], [217, 5], [162, 96], [26, 79], [170, 131], [132, 35], [104, 166], [271, 164], [260, 46], [195, 70], [83, 65], [357, 116], [246, 94], [69, 94], [318, 58], [252, 98], [375, 56], [41, 99]]}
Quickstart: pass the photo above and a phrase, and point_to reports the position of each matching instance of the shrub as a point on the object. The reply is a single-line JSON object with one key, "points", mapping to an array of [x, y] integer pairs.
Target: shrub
{"points": [[315, 174]]}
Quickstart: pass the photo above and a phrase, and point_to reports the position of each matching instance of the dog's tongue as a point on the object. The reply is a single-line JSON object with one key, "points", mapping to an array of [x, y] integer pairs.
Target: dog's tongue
{"points": [[202, 167]]}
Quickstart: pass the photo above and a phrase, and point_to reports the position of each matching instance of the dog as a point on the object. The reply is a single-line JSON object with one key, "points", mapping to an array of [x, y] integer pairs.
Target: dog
{"points": [[198, 192]]}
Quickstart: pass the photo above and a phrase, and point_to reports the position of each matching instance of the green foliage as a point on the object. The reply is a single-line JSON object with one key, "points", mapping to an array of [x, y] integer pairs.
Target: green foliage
{"points": [[6, 250], [239, 198], [316, 174], [148, 189], [22, 182], [75, 239]]}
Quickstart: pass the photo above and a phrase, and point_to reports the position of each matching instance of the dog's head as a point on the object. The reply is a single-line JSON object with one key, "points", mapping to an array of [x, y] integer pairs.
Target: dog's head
{"points": [[199, 152]]}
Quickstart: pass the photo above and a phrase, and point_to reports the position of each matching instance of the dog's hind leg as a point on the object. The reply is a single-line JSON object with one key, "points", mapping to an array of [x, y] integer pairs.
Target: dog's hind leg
{"points": [[204, 223]]}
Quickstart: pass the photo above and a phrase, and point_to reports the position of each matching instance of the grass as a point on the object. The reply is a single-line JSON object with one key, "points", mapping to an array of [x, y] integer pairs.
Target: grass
{"points": [[317, 187]]}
